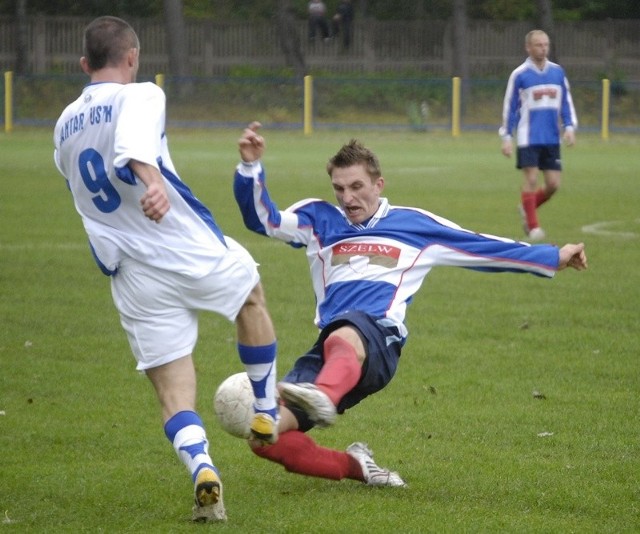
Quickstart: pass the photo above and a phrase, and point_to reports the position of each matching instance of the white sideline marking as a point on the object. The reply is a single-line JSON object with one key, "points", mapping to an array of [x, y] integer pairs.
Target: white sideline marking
{"points": [[604, 229], [45, 246]]}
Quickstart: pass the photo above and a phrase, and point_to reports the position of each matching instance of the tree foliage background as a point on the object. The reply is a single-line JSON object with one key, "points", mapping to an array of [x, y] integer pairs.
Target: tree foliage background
{"points": [[563, 10]]}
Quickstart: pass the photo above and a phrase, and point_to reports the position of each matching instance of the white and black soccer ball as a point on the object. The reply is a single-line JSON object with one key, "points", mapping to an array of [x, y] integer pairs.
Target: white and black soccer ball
{"points": [[233, 404]]}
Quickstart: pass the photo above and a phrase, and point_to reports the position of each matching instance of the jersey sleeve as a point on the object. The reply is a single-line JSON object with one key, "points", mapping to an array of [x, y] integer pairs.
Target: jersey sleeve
{"points": [[510, 107], [488, 254], [567, 110], [56, 160], [260, 214], [140, 125], [442, 242]]}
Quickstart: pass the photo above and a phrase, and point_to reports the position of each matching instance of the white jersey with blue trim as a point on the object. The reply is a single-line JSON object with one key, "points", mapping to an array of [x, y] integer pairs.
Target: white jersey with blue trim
{"points": [[378, 266], [535, 101], [95, 138]]}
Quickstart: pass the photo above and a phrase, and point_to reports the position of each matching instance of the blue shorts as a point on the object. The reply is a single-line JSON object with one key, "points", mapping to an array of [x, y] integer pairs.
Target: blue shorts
{"points": [[383, 345], [545, 157]]}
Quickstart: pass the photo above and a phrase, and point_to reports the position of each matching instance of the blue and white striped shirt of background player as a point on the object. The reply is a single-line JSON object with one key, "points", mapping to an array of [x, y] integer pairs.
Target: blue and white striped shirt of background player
{"points": [[119, 123], [535, 100], [376, 267]]}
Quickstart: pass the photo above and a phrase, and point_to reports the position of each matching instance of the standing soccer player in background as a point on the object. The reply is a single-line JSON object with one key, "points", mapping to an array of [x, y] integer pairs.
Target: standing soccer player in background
{"points": [[536, 100], [165, 255]]}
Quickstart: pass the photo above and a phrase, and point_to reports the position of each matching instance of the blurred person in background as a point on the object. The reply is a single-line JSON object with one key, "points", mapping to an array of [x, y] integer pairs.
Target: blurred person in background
{"points": [[536, 101], [342, 22], [318, 20]]}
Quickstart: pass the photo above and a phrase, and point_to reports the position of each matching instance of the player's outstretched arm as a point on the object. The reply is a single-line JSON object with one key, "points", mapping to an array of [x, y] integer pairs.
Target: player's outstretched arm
{"points": [[573, 256], [250, 144]]}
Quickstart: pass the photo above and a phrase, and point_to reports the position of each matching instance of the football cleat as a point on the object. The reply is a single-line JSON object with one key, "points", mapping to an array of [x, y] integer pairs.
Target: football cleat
{"points": [[374, 475], [264, 428], [208, 497], [309, 398], [536, 234]]}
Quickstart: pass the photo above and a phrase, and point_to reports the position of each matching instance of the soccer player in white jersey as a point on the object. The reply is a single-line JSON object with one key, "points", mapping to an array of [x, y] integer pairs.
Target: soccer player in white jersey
{"points": [[536, 101], [367, 259], [166, 257]]}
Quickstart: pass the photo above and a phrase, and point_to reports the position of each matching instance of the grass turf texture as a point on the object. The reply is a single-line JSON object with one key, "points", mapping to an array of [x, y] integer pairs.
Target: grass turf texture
{"points": [[80, 432]]}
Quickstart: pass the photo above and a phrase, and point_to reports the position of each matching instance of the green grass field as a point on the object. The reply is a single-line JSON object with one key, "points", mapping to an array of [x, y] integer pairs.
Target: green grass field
{"points": [[81, 442]]}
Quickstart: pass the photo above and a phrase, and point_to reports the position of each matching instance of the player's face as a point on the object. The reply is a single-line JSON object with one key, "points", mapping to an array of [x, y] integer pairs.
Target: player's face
{"points": [[538, 47], [357, 195]]}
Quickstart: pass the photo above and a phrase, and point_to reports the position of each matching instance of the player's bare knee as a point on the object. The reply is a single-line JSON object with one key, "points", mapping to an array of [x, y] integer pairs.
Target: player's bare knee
{"points": [[552, 188], [256, 297], [254, 305], [254, 321]]}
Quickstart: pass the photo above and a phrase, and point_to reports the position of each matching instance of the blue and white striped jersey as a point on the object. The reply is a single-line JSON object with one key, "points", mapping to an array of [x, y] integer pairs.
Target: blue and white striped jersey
{"points": [[534, 102], [94, 138], [377, 267]]}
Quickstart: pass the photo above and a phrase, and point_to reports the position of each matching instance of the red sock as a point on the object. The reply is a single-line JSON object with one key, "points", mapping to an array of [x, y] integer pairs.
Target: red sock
{"points": [[541, 196], [341, 370], [529, 207], [298, 453]]}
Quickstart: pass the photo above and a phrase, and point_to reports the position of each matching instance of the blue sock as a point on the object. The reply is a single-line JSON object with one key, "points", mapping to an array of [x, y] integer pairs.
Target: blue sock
{"points": [[260, 365], [186, 433]]}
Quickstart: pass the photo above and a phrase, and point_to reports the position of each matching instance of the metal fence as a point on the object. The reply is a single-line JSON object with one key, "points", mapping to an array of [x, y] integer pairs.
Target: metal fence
{"points": [[587, 50]]}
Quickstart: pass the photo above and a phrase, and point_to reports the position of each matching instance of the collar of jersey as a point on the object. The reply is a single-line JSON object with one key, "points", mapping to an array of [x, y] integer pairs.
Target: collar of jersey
{"points": [[381, 212]]}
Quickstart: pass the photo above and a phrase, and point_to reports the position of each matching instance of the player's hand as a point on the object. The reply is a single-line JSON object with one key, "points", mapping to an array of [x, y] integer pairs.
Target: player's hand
{"points": [[155, 201], [573, 256], [251, 144], [569, 137], [507, 148]]}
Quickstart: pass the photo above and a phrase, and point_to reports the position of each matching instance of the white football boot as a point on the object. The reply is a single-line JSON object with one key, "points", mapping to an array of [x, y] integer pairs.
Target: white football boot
{"points": [[374, 475]]}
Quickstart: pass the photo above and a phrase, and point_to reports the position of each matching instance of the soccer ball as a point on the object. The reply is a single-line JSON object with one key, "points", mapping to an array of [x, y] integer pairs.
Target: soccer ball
{"points": [[233, 404]]}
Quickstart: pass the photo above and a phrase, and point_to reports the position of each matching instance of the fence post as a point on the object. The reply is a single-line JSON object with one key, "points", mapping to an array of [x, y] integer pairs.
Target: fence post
{"points": [[41, 59], [8, 101], [606, 94], [455, 107], [308, 105]]}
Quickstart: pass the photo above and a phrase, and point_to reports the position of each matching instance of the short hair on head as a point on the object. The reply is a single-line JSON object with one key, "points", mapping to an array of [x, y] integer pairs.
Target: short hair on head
{"points": [[532, 33], [355, 153], [107, 40]]}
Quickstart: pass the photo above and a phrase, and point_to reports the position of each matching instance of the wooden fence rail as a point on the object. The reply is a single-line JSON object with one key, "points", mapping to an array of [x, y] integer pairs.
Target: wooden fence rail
{"points": [[587, 50]]}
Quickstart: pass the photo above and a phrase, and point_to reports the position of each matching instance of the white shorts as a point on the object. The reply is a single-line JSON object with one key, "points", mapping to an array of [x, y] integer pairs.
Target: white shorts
{"points": [[159, 309]]}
